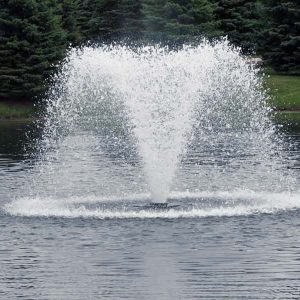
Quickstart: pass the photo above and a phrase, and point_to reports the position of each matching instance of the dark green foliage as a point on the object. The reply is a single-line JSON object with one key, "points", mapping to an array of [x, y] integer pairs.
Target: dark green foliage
{"points": [[282, 47], [104, 21], [110, 20], [242, 22], [154, 20], [34, 34], [131, 24], [31, 42], [68, 10], [178, 20], [84, 11]]}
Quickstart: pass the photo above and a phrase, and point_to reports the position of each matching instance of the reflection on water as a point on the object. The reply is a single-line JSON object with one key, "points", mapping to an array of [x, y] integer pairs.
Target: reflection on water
{"points": [[254, 257], [68, 242]]}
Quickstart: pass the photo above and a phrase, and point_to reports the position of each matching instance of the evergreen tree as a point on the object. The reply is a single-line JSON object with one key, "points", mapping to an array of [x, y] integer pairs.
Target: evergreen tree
{"points": [[110, 20], [242, 22], [68, 11], [282, 43], [130, 22], [31, 42], [104, 22], [178, 20]]}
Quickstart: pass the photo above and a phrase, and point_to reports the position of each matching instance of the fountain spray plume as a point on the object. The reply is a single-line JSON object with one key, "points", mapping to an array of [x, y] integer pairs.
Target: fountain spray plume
{"points": [[158, 98]]}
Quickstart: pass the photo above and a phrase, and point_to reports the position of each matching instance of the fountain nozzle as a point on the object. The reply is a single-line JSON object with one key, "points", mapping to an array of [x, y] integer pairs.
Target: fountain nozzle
{"points": [[158, 205]]}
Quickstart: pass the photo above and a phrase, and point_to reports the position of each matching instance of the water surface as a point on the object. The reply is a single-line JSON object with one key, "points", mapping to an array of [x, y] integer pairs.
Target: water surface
{"points": [[69, 242]]}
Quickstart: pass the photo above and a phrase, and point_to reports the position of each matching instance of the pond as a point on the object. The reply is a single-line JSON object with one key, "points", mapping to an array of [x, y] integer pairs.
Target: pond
{"points": [[64, 236]]}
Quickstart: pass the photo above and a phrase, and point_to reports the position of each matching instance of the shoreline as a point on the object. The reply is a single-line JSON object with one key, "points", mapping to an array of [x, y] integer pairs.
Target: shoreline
{"points": [[9, 119], [288, 111], [17, 119]]}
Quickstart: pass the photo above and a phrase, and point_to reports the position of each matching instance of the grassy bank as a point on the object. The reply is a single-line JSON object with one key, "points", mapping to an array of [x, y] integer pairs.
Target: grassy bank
{"points": [[285, 91], [15, 111]]}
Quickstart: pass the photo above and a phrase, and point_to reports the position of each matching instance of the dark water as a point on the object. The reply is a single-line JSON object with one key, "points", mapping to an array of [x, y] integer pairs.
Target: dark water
{"points": [[215, 250]]}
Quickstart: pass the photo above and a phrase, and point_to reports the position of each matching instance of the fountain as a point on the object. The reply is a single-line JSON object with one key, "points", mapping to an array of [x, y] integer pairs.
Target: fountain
{"points": [[150, 91], [152, 124]]}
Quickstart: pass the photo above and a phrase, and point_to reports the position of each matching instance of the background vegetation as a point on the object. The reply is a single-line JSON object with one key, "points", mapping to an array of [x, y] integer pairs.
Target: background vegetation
{"points": [[285, 91], [34, 34]]}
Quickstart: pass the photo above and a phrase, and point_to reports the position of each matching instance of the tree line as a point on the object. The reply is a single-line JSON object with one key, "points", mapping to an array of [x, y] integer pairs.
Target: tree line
{"points": [[34, 34]]}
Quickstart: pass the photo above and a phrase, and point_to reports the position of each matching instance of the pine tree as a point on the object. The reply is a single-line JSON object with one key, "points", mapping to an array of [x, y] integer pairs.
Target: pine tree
{"points": [[31, 42], [110, 20], [130, 21], [155, 20], [242, 22], [282, 40], [85, 11], [104, 22], [178, 20], [68, 11]]}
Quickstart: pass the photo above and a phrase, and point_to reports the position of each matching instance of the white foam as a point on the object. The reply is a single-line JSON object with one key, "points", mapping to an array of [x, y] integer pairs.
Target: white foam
{"points": [[161, 103], [254, 203]]}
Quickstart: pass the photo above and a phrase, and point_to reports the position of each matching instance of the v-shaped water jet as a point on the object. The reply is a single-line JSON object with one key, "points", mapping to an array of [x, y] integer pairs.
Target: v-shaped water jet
{"points": [[148, 108]]}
